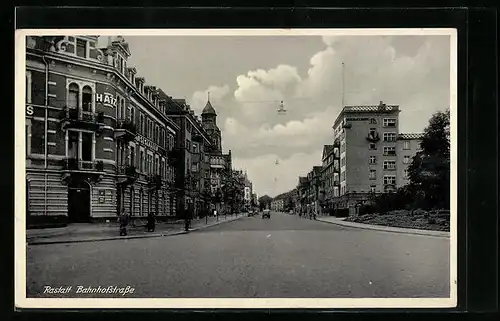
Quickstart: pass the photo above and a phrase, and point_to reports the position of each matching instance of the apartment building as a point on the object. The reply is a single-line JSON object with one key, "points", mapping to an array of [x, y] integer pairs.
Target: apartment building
{"points": [[220, 163], [374, 155], [191, 159], [97, 136]]}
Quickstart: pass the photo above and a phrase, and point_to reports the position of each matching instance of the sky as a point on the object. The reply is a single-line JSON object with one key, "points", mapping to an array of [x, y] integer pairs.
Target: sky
{"points": [[247, 77]]}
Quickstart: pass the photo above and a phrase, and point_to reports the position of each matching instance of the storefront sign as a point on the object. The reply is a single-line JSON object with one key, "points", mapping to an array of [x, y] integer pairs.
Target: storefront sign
{"points": [[146, 142], [106, 99], [357, 119], [29, 111]]}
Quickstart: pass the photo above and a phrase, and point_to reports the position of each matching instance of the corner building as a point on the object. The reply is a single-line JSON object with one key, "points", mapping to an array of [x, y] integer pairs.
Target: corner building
{"points": [[97, 136], [374, 155]]}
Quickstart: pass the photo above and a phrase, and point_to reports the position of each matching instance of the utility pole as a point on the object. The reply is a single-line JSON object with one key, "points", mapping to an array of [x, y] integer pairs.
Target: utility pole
{"points": [[343, 84]]}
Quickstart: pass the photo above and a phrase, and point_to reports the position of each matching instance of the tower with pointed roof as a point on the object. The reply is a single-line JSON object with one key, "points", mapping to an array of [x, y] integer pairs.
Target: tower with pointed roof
{"points": [[209, 121]]}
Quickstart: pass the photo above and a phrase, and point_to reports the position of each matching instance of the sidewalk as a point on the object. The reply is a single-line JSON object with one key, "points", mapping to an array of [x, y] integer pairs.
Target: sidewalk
{"points": [[91, 232], [340, 221]]}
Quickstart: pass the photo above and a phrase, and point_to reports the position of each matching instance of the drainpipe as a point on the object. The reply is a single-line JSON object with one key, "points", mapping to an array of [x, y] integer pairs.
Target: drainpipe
{"points": [[46, 101]]}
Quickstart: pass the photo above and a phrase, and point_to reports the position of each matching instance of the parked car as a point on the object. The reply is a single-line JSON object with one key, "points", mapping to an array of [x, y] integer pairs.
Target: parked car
{"points": [[266, 214], [250, 213]]}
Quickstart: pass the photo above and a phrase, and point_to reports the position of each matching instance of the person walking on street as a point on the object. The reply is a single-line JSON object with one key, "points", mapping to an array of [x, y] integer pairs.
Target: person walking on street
{"points": [[124, 219]]}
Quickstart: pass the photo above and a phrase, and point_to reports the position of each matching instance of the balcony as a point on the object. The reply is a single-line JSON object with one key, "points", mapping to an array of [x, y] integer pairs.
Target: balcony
{"points": [[389, 188], [78, 119], [73, 164], [125, 130], [373, 137], [154, 181], [127, 174], [81, 169]]}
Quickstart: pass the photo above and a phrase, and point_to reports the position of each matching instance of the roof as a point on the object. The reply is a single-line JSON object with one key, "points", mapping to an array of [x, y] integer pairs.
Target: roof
{"points": [[411, 135], [209, 110], [327, 150], [380, 108]]}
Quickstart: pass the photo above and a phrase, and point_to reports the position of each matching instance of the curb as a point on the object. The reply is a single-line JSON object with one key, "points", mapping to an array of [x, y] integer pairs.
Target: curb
{"points": [[111, 238], [389, 229]]}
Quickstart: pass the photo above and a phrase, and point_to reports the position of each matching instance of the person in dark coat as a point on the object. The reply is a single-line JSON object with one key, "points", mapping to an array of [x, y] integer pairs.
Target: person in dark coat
{"points": [[187, 219], [151, 222], [124, 219]]}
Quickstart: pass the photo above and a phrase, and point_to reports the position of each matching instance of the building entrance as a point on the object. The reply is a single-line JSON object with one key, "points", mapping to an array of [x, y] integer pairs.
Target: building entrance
{"points": [[79, 202]]}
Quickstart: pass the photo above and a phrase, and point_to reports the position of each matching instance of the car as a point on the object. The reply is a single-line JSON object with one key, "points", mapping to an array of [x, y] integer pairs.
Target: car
{"points": [[250, 213], [266, 214]]}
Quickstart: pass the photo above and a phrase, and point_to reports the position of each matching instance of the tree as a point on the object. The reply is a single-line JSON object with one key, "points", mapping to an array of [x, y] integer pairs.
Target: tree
{"points": [[429, 171], [264, 201]]}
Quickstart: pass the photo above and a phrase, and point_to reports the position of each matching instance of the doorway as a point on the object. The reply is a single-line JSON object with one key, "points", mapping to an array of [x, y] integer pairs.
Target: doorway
{"points": [[79, 202]]}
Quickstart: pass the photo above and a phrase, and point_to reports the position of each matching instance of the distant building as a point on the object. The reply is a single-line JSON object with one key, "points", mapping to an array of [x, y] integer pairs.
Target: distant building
{"points": [[374, 155], [220, 163]]}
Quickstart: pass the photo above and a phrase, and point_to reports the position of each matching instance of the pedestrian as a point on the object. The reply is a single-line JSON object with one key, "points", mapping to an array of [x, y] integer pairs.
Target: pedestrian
{"points": [[187, 219], [151, 222], [124, 219]]}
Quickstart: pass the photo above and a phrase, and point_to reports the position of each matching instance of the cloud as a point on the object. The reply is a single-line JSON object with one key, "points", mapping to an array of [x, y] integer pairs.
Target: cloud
{"points": [[385, 68], [199, 98]]}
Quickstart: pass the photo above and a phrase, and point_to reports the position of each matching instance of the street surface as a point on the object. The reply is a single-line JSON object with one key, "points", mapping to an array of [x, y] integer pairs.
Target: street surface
{"points": [[285, 256]]}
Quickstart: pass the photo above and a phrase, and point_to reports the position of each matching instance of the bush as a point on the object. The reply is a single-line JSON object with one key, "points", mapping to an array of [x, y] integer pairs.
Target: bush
{"points": [[431, 220], [343, 212], [366, 209]]}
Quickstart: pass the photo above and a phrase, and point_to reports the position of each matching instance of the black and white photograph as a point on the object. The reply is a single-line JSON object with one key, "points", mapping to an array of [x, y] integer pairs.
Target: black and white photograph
{"points": [[236, 168]]}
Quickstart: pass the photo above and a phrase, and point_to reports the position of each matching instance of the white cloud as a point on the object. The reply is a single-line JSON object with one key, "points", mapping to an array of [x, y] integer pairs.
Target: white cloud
{"points": [[376, 69], [199, 98]]}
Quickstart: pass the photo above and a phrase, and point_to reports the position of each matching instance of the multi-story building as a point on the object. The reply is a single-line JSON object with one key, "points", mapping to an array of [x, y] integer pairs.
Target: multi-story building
{"points": [[302, 187], [278, 204], [313, 192], [97, 137], [330, 174], [192, 158], [373, 154], [220, 163]]}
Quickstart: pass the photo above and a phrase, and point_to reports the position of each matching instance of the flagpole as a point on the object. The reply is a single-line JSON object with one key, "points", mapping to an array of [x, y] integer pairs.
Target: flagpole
{"points": [[343, 84]]}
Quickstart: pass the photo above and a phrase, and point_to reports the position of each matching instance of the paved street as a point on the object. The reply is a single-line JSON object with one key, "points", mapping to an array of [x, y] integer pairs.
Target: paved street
{"points": [[251, 257]]}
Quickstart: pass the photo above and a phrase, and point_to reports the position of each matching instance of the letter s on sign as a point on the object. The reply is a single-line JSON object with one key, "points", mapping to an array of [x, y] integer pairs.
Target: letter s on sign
{"points": [[29, 110]]}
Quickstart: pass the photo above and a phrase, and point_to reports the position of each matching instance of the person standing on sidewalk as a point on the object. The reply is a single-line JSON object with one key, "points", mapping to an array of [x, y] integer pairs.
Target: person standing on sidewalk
{"points": [[124, 219], [187, 218], [151, 222]]}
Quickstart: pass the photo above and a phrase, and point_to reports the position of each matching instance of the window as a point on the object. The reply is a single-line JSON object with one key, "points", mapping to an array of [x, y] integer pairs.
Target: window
{"points": [[87, 146], [373, 160], [157, 165], [406, 159], [389, 122], [28, 87], [372, 188], [373, 174], [372, 132], [389, 180], [188, 145], [389, 150], [132, 156], [141, 161], [389, 164], [141, 124], [406, 144], [81, 48], [73, 96], [132, 114], [28, 136], [389, 137], [373, 146], [87, 99], [373, 121], [406, 174]]}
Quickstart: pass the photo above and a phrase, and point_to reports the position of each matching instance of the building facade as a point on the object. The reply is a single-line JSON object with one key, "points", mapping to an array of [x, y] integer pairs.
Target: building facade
{"points": [[97, 136], [374, 155], [191, 160], [220, 163]]}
